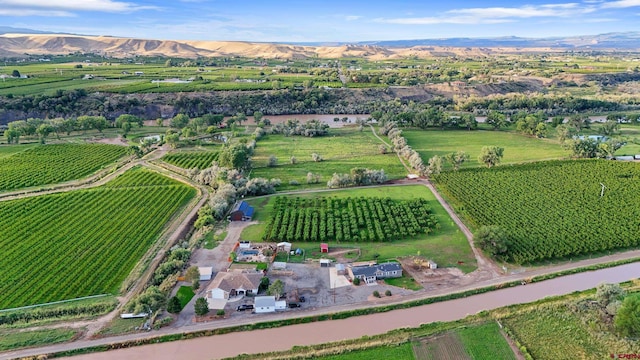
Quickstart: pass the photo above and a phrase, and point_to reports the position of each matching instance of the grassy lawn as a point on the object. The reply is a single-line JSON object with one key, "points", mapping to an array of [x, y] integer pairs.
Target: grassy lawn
{"points": [[211, 239], [10, 340], [485, 342], [400, 352], [185, 294], [7, 150], [342, 150], [517, 148], [446, 246], [404, 282]]}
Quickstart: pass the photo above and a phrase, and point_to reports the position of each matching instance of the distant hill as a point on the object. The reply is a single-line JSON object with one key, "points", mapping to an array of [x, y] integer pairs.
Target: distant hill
{"points": [[12, 30], [13, 43], [626, 40]]}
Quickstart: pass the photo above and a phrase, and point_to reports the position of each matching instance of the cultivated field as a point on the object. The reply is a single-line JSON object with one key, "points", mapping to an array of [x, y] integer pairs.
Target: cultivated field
{"points": [[191, 159], [348, 219], [49, 164], [84, 242], [517, 148], [552, 209], [342, 150], [447, 245]]}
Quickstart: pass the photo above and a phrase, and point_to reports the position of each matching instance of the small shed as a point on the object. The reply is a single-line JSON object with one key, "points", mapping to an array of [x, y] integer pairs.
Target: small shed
{"points": [[205, 273], [432, 264], [244, 244], [324, 248], [242, 211], [283, 246], [279, 265], [265, 304], [341, 269], [325, 262], [413, 177], [281, 305]]}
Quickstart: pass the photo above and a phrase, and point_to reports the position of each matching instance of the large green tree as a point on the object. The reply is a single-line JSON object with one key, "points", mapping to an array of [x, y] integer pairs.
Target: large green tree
{"points": [[201, 306], [627, 320], [493, 240], [491, 155]]}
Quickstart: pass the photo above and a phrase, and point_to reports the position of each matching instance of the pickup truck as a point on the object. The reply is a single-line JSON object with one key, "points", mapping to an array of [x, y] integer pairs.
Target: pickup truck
{"points": [[244, 307]]}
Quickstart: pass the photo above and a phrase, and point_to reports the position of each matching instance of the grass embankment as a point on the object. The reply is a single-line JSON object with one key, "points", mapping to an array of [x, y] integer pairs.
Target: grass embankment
{"points": [[517, 148], [10, 340], [342, 150], [447, 246]]}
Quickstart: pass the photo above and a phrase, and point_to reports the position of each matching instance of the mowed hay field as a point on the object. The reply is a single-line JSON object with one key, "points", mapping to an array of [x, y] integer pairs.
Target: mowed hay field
{"points": [[50, 164], [554, 209], [447, 245], [85, 242], [517, 148], [342, 150]]}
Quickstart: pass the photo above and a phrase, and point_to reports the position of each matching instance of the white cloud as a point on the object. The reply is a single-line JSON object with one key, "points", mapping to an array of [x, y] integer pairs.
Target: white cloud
{"points": [[31, 12], [73, 5], [352, 17], [494, 15], [620, 4]]}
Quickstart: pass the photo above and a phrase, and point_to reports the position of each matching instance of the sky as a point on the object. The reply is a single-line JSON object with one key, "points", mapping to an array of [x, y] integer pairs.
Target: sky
{"points": [[321, 20]]}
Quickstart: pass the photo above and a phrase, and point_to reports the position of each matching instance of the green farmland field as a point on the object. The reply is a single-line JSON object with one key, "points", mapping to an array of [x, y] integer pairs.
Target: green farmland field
{"points": [[517, 148], [552, 209], [49, 164], [191, 159], [447, 245], [85, 242], [342, 150]]}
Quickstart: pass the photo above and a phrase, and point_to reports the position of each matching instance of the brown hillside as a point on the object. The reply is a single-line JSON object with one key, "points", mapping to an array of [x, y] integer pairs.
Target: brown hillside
{"points": [[18, 44]]}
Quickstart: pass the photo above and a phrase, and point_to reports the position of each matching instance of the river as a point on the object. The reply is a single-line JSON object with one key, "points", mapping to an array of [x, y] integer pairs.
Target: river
{"points": [[220, 346]]}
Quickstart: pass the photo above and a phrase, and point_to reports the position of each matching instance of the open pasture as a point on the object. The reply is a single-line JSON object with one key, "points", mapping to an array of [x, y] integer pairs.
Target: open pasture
{"points": [[85, 242], [517, 148], [341, 150]]}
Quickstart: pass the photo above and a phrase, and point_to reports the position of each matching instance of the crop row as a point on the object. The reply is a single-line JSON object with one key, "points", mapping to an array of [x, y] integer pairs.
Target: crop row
{"points": [[68, 245], [348, 219], [552, 209], [191, 160], [49, 164]]}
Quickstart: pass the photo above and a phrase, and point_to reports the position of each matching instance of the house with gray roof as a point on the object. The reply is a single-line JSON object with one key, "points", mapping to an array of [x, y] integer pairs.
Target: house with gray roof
{"points": [[371, 273]]}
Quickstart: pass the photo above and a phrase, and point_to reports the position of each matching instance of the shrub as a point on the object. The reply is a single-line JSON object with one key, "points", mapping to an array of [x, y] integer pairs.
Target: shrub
{"points": [[376, 294], [387, 293], [294, 182], [293, 160], [273, 161], [316, 157], [201, 306], [356, 281], [174, 305], [220, 312]]}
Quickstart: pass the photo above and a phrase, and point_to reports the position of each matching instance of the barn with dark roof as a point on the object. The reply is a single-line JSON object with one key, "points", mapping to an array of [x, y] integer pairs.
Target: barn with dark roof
{"points": [[241, 212]]}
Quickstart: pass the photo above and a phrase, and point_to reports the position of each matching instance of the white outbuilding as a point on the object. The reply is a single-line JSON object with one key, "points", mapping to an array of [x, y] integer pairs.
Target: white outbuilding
{"points": [[264, 304], [205, 273]]}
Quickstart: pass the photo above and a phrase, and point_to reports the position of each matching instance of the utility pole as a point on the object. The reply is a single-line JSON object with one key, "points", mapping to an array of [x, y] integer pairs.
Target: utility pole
{"points": [[602, 191]]}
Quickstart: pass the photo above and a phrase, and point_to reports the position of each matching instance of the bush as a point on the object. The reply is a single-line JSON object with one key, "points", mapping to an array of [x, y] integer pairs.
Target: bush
{"points": [[294, 182], [201, 306], [356, 281], [387, 293], [220, 312], [316, 157], [376, 294], [195, 285], [174, 305], [293, 160], [273, 161]]}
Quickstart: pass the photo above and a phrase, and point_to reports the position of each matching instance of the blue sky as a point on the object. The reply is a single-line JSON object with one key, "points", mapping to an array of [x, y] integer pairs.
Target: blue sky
{"points": [[321, 20]]}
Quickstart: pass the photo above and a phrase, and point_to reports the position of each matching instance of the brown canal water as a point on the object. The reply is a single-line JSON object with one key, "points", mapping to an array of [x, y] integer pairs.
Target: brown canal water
{"points": [[284, 338]]}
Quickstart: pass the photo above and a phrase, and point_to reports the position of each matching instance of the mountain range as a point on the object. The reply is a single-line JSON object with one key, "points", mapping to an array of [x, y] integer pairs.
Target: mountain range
{"points": [[18, 42]]}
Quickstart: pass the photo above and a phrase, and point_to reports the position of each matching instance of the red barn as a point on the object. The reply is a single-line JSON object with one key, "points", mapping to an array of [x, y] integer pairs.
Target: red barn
{"points": [[324, 248]]}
